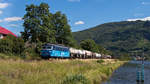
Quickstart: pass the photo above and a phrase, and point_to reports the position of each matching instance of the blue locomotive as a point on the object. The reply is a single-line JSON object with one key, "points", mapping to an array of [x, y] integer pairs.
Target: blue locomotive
{"points": [[55, 51]]}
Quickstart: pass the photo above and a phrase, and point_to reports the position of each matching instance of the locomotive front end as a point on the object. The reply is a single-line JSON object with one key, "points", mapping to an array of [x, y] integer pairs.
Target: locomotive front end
{"points": [[46, 51]]}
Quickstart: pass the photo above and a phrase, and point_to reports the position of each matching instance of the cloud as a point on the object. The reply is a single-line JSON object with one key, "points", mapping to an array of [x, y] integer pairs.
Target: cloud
{"points": [[1, 20], [142, 19], [145, 3], [79, 23], [1, 12], [3, 5], [11, 19], [13, 25], [74, 0]]}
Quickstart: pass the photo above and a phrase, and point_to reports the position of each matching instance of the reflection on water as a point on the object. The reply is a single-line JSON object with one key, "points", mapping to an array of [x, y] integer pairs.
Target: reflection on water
{"points": [[127, 74], [140, 83]]}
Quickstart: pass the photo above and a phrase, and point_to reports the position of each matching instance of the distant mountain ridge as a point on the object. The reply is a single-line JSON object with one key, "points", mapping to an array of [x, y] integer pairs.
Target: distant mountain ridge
{"points": [[119, 37]]}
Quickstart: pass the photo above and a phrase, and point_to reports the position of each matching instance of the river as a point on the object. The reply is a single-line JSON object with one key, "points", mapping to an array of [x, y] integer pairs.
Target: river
{"points": [[126, 74]]}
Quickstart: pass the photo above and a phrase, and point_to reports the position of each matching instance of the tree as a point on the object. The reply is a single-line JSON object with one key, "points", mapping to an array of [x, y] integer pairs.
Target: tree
{"points": [[89, 45], [18, 45], [62, 28], [6, 45], [11, 44], [101, 49], [37, 24], [42, 26]]}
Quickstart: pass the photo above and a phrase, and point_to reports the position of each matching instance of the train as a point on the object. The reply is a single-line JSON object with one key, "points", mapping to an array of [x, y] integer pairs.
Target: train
{"points": [[60, 51]]}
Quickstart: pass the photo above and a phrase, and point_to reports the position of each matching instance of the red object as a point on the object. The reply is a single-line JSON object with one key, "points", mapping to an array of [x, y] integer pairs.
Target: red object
{"points": [[6, 32]]}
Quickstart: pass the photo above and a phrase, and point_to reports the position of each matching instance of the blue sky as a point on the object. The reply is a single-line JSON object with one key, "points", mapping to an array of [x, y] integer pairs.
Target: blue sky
{"points": [[82, 14]]}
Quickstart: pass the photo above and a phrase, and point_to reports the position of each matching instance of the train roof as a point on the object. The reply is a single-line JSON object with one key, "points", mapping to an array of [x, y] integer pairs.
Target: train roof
{"points": [[60, 45]]}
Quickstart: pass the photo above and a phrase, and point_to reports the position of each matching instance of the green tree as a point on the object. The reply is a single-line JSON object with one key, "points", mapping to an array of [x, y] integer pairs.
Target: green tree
{"points": [[42, 26], [11, 44], [89, 45], [18, 45], [62, 28], [37, 24], [6, 45], [103, 50]]}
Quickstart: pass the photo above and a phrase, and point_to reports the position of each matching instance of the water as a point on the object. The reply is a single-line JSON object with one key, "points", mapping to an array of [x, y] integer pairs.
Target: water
{"points": [[127, 74]]}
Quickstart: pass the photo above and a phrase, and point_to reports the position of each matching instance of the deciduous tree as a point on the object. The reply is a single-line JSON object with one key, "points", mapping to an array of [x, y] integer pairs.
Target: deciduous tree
{"points": [[90, 45], [37, 24], [63, 30]]}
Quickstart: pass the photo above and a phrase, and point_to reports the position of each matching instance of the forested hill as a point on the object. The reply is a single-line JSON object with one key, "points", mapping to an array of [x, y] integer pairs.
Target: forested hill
{"points": [[119, 37]]}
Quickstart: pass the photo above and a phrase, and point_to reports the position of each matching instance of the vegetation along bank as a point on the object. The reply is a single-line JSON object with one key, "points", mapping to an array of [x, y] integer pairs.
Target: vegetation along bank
{"points": [[56, 72]]}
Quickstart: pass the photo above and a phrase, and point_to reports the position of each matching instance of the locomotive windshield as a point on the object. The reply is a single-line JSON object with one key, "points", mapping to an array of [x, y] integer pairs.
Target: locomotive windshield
{"points": [[47, 47]]}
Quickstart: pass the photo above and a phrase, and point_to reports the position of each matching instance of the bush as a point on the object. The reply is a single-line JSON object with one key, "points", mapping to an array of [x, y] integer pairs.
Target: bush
{"points": [[6, 45], [100, 61], [30, 53], [15, 46], [11, 44], [75, 79]]}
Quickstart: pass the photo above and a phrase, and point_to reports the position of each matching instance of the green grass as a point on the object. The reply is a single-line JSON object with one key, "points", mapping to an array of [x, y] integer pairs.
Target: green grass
{"points": [[9, 56], [55, 71]]}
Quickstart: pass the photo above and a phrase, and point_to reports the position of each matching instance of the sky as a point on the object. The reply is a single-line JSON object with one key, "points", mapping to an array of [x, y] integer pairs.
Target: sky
{"points": [[81, 14]]}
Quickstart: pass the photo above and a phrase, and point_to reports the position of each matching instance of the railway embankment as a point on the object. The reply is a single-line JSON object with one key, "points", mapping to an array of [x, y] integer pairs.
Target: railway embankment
{"points": [[89, 71]]}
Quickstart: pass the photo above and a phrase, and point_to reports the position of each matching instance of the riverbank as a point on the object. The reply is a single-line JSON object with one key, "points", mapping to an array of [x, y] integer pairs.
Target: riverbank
{"points": [[56, 71], [127, 73]]}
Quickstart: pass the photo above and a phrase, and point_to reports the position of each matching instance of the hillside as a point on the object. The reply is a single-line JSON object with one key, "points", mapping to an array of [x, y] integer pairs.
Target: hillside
{"points": [[119, 37]]}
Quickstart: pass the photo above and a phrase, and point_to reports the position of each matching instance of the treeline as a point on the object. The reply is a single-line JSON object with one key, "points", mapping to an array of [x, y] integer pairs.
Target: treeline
{"points": [[41, 26]]}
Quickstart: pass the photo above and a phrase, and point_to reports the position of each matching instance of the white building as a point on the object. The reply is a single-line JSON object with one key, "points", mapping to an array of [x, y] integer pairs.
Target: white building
{"points": [[1, 36]]}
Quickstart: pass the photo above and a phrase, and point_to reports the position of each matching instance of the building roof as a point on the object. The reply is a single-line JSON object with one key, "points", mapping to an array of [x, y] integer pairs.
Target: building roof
{"points": [[6, 32]]}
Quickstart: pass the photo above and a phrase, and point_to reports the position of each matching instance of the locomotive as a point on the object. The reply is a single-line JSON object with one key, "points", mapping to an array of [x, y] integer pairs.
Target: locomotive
{"points": [[60, 51]]}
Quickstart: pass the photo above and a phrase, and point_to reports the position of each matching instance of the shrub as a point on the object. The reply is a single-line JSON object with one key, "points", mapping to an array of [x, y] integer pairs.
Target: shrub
{"points": [[30, 53], [100, 61], [6, 45], [76, 79], [11, 44]]}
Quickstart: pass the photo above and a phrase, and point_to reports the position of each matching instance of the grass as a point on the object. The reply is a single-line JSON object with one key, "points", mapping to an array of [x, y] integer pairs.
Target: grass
{"points": [[8, 56], [55, 71]]}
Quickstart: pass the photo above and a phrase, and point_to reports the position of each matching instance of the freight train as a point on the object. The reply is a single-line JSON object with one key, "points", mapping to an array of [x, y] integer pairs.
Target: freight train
{"points": [[59, 51]]}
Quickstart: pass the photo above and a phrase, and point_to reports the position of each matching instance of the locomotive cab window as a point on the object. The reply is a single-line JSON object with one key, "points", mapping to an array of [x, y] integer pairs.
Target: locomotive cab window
{"points": [[49, 47], [44, 47]]}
